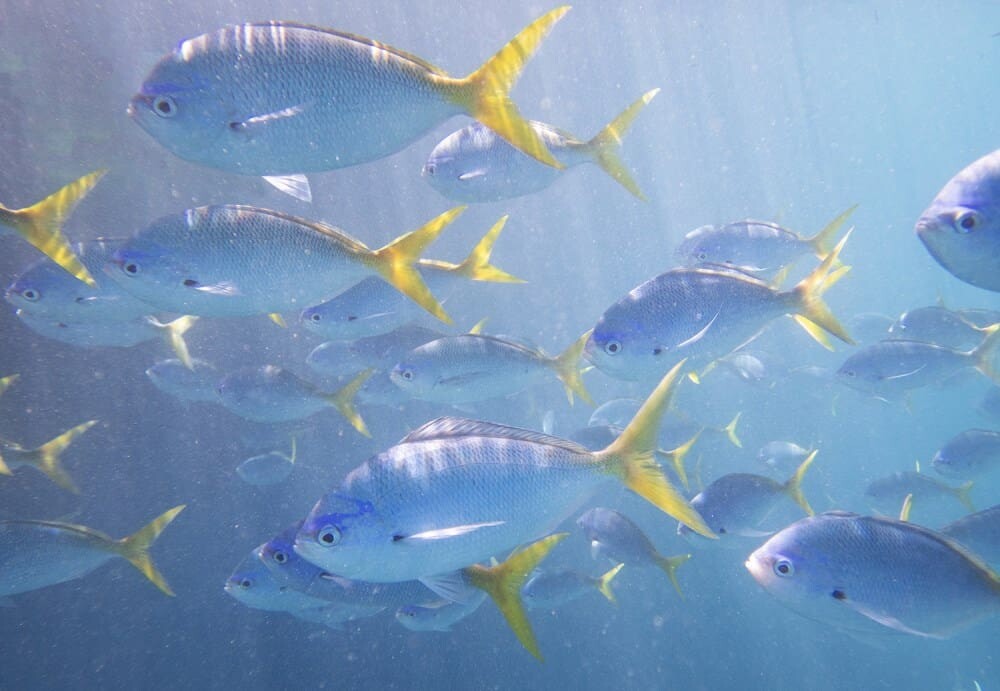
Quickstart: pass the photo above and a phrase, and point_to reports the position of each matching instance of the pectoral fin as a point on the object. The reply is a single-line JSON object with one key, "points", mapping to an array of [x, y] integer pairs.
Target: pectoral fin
{"points": [[472, 175], [887, 620], [445, 533], [296, 185]]}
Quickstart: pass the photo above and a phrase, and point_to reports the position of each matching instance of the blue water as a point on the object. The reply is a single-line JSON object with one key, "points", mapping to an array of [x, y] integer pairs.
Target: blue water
{"points": [[783, 111]]}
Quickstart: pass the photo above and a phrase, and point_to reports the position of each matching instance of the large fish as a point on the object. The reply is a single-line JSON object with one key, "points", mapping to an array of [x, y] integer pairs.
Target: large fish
{"points": [[892, 489], [958, 329], [36, 554], [980, 532], [861, 573], [340, 358], [45, 458], [475, 164], [41, 224], [969, 454], [280, 99], [961, 227], [231, 261], [703, 314]]}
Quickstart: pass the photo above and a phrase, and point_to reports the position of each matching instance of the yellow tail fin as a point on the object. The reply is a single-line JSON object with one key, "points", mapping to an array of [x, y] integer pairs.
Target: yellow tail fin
{"points": [[135, 548], [6, 382], [343, 401], [963, 494], [670, 566], [807, 297], [503, 583], [41, 224], [984, 355], [604, 584], [484, 94], [606, 144], [173, 333], [567, 368], [730, 431], [477, 265], [396, 262], [477, 328], [822, 242], [794, 484], [46, 456], [678, 455], [631, 458]]}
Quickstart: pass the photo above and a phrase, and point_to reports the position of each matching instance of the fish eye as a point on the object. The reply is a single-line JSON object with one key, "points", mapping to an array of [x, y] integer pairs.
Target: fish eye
{"points": [[407, 374], [164, 106], [702, 256], [784, 568], [315, 316], [279, 557], [130, 268], [30, 295], [612, 347], [328, 536], [966, 222], [246, 584], [430, 169]]}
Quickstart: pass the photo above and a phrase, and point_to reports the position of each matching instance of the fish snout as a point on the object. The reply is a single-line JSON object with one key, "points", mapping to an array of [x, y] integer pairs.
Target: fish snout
{"points": [[428, 170]]}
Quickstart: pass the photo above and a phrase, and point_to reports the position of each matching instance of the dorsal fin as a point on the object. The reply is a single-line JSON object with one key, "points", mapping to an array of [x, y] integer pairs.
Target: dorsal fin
{"points": [[451, 427]]}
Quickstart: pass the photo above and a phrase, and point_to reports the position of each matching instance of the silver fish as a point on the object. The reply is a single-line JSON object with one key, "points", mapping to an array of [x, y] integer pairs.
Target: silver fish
{"points": [[961, 329], [782, 455], [557, 587], [340, 358], [268, 468], [969, 454], [195, 383], [980, 532], [892, 489], [439, 615]]}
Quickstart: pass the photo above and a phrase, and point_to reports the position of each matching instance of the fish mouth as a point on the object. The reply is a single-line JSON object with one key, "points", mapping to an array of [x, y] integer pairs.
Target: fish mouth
{"points": [[756, 566]]}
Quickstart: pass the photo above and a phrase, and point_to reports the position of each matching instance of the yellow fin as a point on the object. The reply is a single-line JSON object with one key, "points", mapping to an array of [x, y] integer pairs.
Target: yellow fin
{"points": [[963, 495], [46, 456], [503, 583], [678, 455], [693, 377], [6, 382], [278, 319], [794, 485], [781, 276], [479, 326], [477, 265], [604, 584], [606, 145], [630, 458], [41, 224], [730, 431], [135, 548], [904, 512], [669, 565], [567, 368], [814, 330], [396, 262], [174, 332], [822, 242], [343, 401], [484, 94], [807, 296]]}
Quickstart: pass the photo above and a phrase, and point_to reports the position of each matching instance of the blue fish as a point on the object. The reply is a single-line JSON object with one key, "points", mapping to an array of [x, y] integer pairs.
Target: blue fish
{"points": [[195, 383]]}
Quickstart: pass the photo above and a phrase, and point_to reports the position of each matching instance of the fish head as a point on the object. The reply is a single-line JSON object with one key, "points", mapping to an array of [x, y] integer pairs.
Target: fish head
{"points": [[370, 308], [464, 165], [152, 272], [254, 586], [789, 568], [858, 373], [340, 534], [409, 376], [621, 348], [37, 288], [700, 246]]}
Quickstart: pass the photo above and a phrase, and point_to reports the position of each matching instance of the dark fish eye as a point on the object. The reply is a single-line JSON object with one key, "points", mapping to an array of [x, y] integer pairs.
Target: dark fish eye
{"points": [[190, 283], [407, 374], [246, 583], [328, 536], [280, 557], [430, 169], [164, 106], [30, 295], [315, 317], [131, 268], [966, 222], [702, 256], [784, 568], [612, 347]]}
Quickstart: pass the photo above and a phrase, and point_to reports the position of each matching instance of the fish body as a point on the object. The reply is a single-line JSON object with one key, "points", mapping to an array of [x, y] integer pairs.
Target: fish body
{"points": [[253, 584], [278, 98], [338, 358], [782, 455], [551, 588], [99, 334], [960, 330], [862, 573], [969, 454], [439, 615], [195, 384], [270, 394], [892, 489], [961, 227], [980, 533], [268, 468], [614, 536]]}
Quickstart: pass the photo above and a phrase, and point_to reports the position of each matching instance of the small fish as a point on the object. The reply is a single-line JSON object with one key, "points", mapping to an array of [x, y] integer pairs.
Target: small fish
{"points": [[861, 573], [194, 384], [476, 367], [749, 367], [961, 227], [237, 261], [253, 584], [980, 533], [36, 554], [273, 394], [936, 324], [373, 307], [890, 369], [736, 504], [703, 314], [555, 588], [969, 454], [267, 469], [869, 327], [475, 164], [613, 536], [756, 246], [439, 615], [782, 455], [340, 358], [46, 291], [41, 224], [45, 458], [891, 490], [282, 99]]}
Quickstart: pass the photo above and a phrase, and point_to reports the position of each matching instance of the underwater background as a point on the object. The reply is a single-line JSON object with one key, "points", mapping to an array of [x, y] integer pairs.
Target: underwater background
{"points": [[782, 111]]}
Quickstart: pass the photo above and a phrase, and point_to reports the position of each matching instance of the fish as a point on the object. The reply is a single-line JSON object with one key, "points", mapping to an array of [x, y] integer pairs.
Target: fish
{"points": [[457, 491], [477, 367], [373, 307], [475, 164], [980, 533], [958, 329], [41, 224], [273, 394], [890, 369], [736, 504], [989, 405], [340, 358], [870, 327], [971, 453], [7, 382], [37, 554], [891, 489], [267, 469], [124, 334], [195, 384], [782, 455], [614, 536], [757, 246], [703, 314], [46, 458], [238, 261], [864, 574], [280, 99], [961, 227], [439, 615], [47, 291], [557, 587]]}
